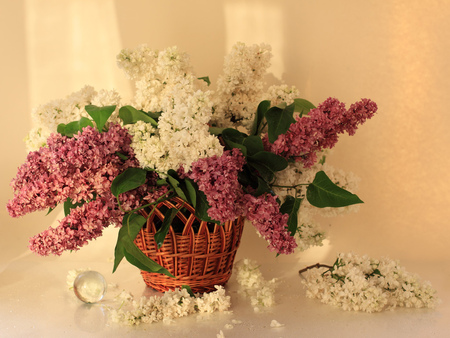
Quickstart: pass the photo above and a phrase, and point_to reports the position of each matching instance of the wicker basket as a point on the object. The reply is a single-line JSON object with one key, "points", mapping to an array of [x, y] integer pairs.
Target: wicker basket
{"points": [[197, 253]]}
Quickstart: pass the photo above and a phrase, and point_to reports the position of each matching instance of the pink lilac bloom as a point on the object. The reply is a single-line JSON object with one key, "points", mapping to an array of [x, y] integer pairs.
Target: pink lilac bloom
{"points": [[319, 129], [76, 229], [75, 168], [264, 213], [217, 177], [81, 168]]}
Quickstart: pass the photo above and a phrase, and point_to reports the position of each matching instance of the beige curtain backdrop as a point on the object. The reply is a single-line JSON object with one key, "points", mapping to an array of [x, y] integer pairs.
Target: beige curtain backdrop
{"points": [[395, 52]]}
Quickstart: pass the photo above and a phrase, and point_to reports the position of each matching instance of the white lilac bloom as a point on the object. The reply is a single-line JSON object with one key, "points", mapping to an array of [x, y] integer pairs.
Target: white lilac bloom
{"points": [[47, 117], [136, 62], [36, 138], [281, 93], [297, 177], [361, 283], [108, 98], [240, 87], [275, 323], [253, 284], [166, 83], [168, 307]]}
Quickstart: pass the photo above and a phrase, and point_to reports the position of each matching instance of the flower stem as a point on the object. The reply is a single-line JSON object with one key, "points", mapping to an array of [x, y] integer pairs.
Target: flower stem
{"points": [[289, 186], [318, 265]]}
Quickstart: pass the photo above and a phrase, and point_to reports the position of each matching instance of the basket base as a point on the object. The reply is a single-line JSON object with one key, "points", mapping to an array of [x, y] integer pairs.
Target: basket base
{"points": [[200, 255], [198, 284]]}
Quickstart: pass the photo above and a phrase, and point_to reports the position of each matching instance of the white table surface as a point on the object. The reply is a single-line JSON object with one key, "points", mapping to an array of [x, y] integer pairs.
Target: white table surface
{"points": [[35, 301]]}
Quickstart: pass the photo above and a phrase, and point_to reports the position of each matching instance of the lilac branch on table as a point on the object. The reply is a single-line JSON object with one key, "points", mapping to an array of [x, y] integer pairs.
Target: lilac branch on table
{"points": [[317, 265]]}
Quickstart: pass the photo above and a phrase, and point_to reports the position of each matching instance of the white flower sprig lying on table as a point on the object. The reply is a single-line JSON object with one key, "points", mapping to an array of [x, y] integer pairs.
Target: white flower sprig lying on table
{"points": [[125, 309], [361, 283], [169, 306], [253, 284], [180, 303]]}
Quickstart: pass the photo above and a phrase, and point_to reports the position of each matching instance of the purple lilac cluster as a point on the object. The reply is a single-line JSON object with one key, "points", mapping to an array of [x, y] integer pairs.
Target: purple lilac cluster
{"points": [[319, 130], [217, 177], [82, 169], [264, 213]]}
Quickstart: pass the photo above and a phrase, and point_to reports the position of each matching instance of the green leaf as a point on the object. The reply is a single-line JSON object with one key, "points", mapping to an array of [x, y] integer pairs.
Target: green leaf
{"points": [[263, 187], [131, 225], [68, 205], [160, 182], [267, 164], [61, 129], [259, 116], [100, 114], [125, 247], [291, 206], [322, 192], [279, 121], [173, 180], [130, 179], [234, 139], [247, 178], [189, 290], [161, 234], [74, 127], [131, 115], [202, 207], [281, 105], [273, 161], [122, 156], [190, 191], [206, 79], [303, 106], [322, 160], [263, 170], [253, 144], [135, 256], [216, 130], [49, 211]]}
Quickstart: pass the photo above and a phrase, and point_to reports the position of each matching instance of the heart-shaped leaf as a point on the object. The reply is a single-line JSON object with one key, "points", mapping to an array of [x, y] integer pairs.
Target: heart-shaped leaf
{"points": [[234, 139], [279, 121], [72, 128], [263, 188], [291, 206], [174, 182], [161, 234], [273, 161], [131, 115], [216, 130], [322, 192], [125, 247], [131, 225], [253, 144], [206, 79], [189, 290], [136, 257], [100, 114], [202, 207], [130, 179], [303, 106], [68, 205], [259, 116]]}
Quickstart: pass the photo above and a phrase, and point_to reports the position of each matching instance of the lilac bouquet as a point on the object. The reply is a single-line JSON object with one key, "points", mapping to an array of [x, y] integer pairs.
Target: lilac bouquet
{"points": [[238, 150]]}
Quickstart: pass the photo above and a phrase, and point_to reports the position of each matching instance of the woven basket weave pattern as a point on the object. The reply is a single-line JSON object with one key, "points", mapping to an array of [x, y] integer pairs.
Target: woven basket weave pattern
{"points": [[200, 256]]}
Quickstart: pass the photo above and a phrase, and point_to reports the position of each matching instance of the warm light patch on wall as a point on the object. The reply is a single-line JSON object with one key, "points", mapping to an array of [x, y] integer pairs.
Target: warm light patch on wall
{"points": [[71, 44], [256, 22]]}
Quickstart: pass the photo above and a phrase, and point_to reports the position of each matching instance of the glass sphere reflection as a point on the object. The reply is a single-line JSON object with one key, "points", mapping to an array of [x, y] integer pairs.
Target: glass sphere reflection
{"points": [[89, 286]]}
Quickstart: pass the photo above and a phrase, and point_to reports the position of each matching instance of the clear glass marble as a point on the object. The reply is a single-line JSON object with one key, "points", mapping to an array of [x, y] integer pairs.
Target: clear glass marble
{"points": [[90, 286]]}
